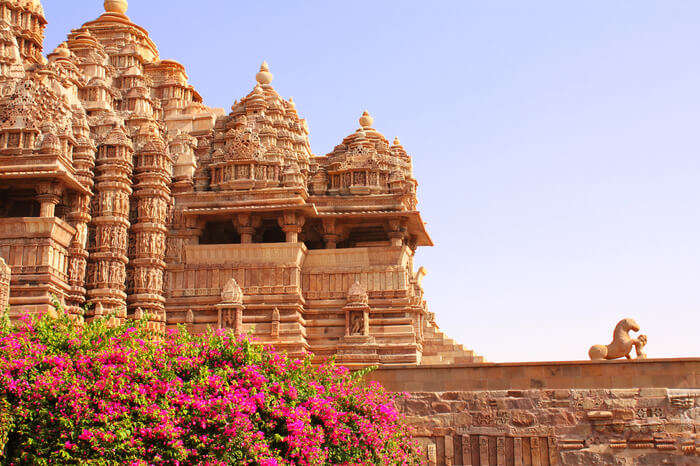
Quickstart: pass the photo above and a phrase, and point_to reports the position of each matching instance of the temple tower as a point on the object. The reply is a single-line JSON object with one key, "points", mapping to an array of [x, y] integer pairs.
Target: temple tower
{"points": [[107, 274], [27, 22], [153, 173]]}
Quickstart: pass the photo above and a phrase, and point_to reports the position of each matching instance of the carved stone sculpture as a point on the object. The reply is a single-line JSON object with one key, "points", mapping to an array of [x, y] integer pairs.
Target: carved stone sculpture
{"points": [[231, 307], [4, 285], [357, 323], [622, 343], [232, 293], [140, 161]]}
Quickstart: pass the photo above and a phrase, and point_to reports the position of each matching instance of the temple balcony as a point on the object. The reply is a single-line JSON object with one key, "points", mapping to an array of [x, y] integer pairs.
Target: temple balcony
{"points": [[36, 248]]}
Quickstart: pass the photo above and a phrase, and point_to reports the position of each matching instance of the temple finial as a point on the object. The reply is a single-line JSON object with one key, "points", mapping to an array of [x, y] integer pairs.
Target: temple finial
{"points": [[264, 76], [396, 141], [366, 120], [116, 6]]}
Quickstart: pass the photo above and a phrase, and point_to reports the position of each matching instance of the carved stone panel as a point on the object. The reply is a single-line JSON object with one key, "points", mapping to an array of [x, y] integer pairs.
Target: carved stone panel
{"points": [[4, 284]]}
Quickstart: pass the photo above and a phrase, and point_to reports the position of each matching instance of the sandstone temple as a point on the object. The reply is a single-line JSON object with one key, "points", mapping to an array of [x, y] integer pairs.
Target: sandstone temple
{"points": [[123, 194]]}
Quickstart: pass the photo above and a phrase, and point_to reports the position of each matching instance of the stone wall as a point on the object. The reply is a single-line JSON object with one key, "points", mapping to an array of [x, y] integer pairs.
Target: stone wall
{"points": [[666, 373], [653, 423], [4, 285]]}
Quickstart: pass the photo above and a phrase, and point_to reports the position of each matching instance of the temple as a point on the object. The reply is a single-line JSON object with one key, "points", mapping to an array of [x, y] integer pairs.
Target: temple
{"points": [[122, 193]]}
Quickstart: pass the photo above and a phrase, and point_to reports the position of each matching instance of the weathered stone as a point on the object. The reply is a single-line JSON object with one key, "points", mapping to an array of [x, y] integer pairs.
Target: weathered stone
{"points": [[568, 435], [5, 275], [622, 343], [522, 418], [158, 204]]}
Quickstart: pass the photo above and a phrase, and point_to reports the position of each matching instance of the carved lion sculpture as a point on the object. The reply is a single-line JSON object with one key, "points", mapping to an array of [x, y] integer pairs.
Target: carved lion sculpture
{"points": [[622, 343]]}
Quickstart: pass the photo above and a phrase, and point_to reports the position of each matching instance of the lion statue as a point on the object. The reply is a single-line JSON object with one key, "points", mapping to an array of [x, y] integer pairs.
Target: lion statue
{"points": [[622, 343]]}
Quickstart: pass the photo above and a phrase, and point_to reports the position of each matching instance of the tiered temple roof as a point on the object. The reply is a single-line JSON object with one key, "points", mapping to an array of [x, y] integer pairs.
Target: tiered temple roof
{"points": [[122, 192]]}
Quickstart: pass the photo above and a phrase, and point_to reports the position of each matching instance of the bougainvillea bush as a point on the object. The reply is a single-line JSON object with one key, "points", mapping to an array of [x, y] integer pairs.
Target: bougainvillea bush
{"points": [[101, 394]]}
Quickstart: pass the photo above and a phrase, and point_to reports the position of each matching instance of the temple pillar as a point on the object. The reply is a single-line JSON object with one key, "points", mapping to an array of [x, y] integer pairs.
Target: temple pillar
{"points": [[79, 217], [291, 224], [247, 224], [397, 231], [153, 173], [48, 195], [106, 276], [330, 233]]}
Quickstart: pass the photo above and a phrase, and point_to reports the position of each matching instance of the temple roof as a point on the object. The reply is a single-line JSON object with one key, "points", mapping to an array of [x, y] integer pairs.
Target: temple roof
{"points": [[273, 118], [368, 148]]}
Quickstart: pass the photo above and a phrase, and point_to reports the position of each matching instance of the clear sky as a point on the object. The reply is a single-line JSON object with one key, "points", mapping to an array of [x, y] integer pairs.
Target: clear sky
{"points": [[556, 144]]}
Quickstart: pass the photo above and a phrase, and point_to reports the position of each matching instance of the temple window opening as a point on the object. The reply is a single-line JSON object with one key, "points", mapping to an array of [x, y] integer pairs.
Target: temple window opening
{"points": [[219, 233], [271, 232]]}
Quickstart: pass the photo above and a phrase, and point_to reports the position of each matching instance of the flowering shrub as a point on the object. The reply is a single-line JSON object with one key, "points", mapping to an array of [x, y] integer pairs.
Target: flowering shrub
{"points": [[95, 394]]}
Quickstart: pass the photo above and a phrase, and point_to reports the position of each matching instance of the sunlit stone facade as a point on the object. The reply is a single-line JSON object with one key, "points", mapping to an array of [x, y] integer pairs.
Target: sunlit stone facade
{"points": [[120, 190]]}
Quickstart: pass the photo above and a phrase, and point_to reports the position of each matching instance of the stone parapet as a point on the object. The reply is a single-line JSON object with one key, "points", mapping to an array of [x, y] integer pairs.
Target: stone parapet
{"points": [[648, 373], [249, 254]]}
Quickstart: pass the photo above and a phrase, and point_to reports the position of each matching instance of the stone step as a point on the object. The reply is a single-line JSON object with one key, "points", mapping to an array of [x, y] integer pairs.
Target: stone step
{"points": [[398, 359]]}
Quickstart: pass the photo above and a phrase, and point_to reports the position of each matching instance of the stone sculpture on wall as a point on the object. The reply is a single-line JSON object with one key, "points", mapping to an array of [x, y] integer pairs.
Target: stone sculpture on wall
{"points": [[231, 307], [357, 311], [622, 343], [4, 285]]}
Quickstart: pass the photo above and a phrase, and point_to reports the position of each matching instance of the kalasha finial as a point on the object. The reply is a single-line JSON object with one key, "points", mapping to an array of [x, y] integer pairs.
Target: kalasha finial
{"points": [[396, 141], [116, 6], [264, 76], [366, 120], [62, 50]]}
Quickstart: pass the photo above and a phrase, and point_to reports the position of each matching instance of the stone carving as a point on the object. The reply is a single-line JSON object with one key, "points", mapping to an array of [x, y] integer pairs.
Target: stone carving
{"points": [[357, 294], [357, 311], [5, 275], [232, 293], [275, 324], [622, 343], [162, 198], [357, 323]]}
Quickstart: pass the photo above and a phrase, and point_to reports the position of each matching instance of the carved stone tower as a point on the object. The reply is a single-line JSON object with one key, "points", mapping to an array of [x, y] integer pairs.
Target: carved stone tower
{"points": [[122, 190]]}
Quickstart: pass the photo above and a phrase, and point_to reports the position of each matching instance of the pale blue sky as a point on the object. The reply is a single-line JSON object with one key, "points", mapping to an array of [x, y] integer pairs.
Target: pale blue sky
{"points": [[555, 143]]}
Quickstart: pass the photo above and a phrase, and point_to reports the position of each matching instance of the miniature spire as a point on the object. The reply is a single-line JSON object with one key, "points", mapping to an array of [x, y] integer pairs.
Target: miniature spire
{"points": [[116, 6], [264, 76], [366, 120], [62, 51]]}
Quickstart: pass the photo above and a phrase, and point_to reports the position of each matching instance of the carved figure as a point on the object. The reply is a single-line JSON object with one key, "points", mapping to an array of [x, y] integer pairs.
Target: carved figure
{"points": [[232, 293], [5, 274], [74, 269], [622, 343], [357, 324], [639, 346]]}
